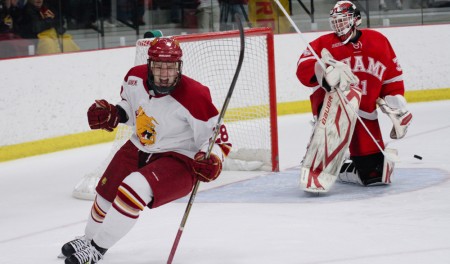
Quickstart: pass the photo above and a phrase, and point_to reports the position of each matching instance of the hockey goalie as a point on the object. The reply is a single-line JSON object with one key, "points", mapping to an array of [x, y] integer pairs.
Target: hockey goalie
{"points": [[358, 71]]}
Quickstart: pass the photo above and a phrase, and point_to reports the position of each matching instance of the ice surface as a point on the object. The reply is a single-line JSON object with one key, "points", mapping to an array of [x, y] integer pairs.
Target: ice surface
{"points": [[256, 218]]}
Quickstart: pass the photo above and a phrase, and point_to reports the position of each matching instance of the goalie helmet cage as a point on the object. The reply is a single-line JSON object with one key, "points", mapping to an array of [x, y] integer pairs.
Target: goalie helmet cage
{"points": [[251, 117]]}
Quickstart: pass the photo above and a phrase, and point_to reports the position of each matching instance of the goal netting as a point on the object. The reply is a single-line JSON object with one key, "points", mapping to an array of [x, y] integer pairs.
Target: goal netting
{"points": [[251, 120]]}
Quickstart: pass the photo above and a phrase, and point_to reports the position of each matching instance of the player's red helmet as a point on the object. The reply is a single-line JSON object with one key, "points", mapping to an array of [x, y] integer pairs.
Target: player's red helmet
{"points": [[345, 17], [164, 50]]}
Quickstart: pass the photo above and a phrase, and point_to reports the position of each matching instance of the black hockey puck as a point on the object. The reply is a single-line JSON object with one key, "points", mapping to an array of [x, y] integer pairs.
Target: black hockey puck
{"points": [[418, 157]]}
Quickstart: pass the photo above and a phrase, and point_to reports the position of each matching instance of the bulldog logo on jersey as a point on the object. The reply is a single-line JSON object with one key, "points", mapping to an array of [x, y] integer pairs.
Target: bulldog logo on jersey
{"points": [[145, 128]]}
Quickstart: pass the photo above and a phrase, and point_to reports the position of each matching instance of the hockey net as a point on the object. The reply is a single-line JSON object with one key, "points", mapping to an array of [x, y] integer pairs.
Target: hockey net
{"points": [[251, 118]]}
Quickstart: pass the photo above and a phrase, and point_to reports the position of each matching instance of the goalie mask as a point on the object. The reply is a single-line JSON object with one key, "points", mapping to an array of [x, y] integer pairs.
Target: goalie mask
{"points": [[164, 65], [344, 19]]}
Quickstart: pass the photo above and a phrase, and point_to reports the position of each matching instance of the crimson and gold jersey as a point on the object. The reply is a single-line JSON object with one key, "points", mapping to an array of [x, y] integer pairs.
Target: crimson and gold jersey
{"points": [[182, 121]]}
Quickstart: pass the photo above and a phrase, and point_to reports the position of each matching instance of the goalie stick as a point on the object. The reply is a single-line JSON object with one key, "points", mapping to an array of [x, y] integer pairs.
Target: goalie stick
{"points": [[213, 138]]}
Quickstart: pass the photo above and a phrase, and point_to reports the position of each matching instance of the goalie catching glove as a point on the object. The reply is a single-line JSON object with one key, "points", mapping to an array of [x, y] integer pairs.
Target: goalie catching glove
{"points": [[207, 170], [395, 108], [336, 75], [103, 115]]}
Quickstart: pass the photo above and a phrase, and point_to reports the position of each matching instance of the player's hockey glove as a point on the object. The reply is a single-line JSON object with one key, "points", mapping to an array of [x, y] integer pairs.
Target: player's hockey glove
{"points": [[103, 115], [336, 75], [395, 108], [207, 170]]}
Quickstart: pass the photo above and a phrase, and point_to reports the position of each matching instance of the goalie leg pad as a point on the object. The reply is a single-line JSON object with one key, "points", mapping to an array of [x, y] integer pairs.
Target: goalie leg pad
{"points": [[388, 167], [329, 141]]}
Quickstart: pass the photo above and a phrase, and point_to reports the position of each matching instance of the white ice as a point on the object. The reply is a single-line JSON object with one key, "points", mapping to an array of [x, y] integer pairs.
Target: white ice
{"points": [[407, 222]]}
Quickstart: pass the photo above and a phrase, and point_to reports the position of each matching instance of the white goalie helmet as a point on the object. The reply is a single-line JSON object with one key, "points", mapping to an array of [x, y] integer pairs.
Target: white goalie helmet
{"points": [[345, 17]]}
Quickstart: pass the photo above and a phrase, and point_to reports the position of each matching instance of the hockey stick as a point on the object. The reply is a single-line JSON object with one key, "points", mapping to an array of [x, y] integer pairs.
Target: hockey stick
{"points": [[322, 65], [213, 138]]}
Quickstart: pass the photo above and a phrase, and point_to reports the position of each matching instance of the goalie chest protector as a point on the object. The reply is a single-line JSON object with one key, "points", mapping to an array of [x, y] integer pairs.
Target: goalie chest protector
{"points": [[330, 140]]}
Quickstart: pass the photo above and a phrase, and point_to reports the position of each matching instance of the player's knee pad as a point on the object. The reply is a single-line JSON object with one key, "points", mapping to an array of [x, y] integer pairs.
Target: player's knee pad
{"points": [[133, 195], [139, 185]]}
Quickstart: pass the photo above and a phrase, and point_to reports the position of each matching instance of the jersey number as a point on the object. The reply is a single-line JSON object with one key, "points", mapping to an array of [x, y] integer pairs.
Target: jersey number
{"points": [[223, 135], [363, 87]]}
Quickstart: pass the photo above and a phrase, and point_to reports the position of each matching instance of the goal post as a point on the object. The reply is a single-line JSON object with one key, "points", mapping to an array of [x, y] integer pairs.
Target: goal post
{"points": [[251, 118]]}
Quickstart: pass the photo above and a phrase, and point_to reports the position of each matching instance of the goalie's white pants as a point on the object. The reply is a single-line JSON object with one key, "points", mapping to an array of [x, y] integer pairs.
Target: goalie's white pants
{"points": [[349, 173]]}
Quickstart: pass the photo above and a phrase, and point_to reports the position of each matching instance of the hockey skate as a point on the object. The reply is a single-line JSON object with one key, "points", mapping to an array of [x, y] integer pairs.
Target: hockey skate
{"points": [[380, 174], [349, 174], [74, 246], [89, 255]]}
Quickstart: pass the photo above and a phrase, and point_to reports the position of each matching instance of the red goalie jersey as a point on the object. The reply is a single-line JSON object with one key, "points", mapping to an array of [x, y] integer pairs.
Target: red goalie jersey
{"points": [[374, 62]]}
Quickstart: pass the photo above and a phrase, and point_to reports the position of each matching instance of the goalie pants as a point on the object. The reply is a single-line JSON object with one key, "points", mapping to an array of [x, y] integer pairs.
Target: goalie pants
{"points": [[362, 144], [169, 174], [364, 152]]}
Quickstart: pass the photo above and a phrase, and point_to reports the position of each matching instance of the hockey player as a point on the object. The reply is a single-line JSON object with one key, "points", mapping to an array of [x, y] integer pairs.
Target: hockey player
{"points": [[174, 118], [364, 55]]}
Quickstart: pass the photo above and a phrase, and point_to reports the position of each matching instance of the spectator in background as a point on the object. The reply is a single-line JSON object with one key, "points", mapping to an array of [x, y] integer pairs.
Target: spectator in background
{"points": [[384, 7], [36, 18], [131, 12], [208, 15], [6, 22], [40, 23], [102, 11], [175, 11], [228, 8], [11, 44], [9, 13], [421, 3], [79, 13]]}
